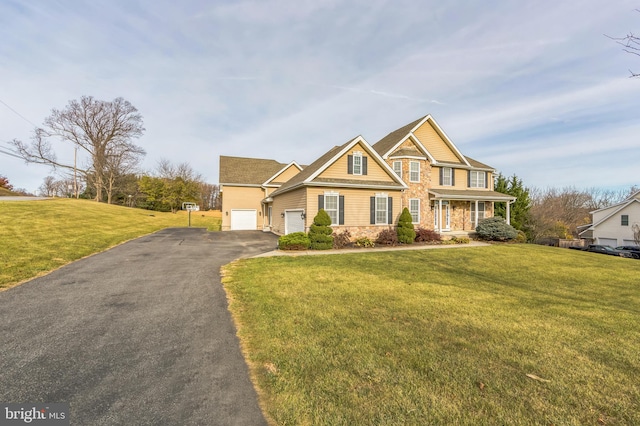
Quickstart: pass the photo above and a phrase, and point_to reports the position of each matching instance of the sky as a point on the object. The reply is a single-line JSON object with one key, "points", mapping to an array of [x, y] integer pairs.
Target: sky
{"points": [[532, 88]]}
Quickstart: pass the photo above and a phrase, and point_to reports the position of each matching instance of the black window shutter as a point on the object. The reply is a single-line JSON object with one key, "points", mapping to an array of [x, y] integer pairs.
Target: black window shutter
{"points": [[453, 177], [486, 179], [372, 210], [468, 178], [350, 164], [364, 165], [441, 174], [390, 213], [320, 202], [341, 210]]}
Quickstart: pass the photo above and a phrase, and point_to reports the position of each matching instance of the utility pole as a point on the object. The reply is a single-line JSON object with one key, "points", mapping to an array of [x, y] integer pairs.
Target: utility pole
{"points": [[75, 173]]}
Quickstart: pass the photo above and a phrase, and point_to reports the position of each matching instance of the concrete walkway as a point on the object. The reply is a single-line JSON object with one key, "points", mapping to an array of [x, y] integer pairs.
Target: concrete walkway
{"points": [[377, 249]]}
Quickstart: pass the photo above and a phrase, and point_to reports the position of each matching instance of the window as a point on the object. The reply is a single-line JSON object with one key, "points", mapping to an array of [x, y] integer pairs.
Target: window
{"points": [[331, 206], [447, 173], [414, 209], [397, 167], [624, 220], [357, 164], [480, 211], [381, 209], [414, 171], [477, 179]]}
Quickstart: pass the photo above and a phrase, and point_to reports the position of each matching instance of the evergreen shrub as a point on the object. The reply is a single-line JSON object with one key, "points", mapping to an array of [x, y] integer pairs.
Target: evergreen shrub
{"points": [[320, 232], [294, 241], [405, 231], [495, 229]]}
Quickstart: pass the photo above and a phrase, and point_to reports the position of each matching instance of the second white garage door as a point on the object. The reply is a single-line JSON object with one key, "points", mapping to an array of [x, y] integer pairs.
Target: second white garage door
{"points": [[243, 220], [293, 221]]}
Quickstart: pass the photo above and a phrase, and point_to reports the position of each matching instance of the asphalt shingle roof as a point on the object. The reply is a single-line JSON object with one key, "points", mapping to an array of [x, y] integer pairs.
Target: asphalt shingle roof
{"points": [[247, 171]]}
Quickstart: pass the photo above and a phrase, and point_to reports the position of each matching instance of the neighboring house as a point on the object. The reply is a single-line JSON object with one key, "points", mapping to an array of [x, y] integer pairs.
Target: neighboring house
{"points": [[364, 188], [613, 225]]}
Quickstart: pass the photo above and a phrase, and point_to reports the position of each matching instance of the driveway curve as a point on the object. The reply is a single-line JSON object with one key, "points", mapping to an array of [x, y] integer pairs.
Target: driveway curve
{"points": [[139, 334]]}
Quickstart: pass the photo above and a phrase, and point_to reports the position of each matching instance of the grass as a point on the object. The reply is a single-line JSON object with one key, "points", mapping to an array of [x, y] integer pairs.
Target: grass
{"points": [[39, 236], [506, 334]]}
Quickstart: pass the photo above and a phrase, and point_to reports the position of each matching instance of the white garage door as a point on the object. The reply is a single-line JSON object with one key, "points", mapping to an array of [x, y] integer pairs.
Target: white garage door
{"points": [[243, 220], [293, 221], [608, 242]]}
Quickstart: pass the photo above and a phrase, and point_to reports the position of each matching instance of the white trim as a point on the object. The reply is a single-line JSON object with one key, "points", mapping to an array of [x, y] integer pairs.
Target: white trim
{"points": [[411, 172], [372, 152], [354, 155], [337, 209], [416, 142], [484, 179], [381, 196], [450, 176], [293, 163], [394, 168], [418, 200]]}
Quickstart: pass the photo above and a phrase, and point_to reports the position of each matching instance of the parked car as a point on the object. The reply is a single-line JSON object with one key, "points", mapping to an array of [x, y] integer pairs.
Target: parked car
{"points": [[602, 249], [633, 250]]}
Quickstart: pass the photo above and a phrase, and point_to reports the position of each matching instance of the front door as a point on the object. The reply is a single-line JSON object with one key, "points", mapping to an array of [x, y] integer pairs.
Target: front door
{"points": [[441, 218]]}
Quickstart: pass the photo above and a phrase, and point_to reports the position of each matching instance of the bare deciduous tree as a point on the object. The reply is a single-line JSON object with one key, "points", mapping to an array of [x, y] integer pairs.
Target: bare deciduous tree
{"points": [[631, 44], [101, 130]]}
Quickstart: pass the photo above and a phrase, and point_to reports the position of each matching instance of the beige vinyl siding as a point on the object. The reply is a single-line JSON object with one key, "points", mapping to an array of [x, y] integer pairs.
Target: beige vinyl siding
{"points": [[356, 204], [460, 178], [292, 200], [338, 170], [287, 174], [431, 140], [238, 197]]}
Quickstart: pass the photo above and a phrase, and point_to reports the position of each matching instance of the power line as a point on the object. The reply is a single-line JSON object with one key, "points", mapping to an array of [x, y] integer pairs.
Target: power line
{"points": [[18, 114], [10, 154]]}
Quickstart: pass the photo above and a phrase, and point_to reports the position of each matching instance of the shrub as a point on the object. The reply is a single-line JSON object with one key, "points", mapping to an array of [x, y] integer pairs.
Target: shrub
{"points": [[364, 242], [461, 240], [342, 239], [427, 236], [294, 241], [387, 237], [320, 232], [522, 237], [405, 231], [495, 229]]}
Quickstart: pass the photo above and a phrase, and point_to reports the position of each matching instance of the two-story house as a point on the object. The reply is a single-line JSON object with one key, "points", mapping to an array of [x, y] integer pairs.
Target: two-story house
{"points": [[364, 187]]}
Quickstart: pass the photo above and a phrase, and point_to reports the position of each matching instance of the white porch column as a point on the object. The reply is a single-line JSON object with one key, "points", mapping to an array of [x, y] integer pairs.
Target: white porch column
{"points": [[508, 213], [440, 215], [475, 225]]}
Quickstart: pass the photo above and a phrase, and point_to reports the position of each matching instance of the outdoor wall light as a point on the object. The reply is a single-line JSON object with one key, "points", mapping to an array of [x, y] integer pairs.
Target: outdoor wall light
{"points": [[303, 216], [226, 213], [282, 214]]}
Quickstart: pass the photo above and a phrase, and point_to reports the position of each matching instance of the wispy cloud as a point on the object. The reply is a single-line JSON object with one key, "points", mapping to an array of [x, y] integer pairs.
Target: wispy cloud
{"points": [[533, 88]]}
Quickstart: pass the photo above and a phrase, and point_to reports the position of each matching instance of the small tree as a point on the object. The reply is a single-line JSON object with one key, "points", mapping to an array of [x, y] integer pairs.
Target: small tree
{"points": [[320, 232], [406, 233], [496, 229]]}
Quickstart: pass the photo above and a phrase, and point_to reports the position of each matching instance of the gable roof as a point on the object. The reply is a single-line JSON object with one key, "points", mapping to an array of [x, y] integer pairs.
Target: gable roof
{"points": [[389, 143], [271, 181], [248, 171], [615, 209], [310, 173]]}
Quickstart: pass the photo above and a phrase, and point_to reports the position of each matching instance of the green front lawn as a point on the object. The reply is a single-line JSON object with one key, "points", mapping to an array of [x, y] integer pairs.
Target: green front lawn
{"points": [[506, 334], [39, 236]]}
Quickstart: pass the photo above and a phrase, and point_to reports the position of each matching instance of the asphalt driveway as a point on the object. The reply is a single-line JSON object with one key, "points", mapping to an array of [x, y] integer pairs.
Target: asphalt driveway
{"points": [[137, 335]]}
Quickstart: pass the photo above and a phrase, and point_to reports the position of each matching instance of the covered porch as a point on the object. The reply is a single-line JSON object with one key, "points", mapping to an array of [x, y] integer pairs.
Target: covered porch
{"points": [[460, 210]]}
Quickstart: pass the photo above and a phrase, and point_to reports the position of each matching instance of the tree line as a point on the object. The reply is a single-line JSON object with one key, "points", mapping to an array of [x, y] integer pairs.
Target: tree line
{"points": [[106, 160], [553, 212]]}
